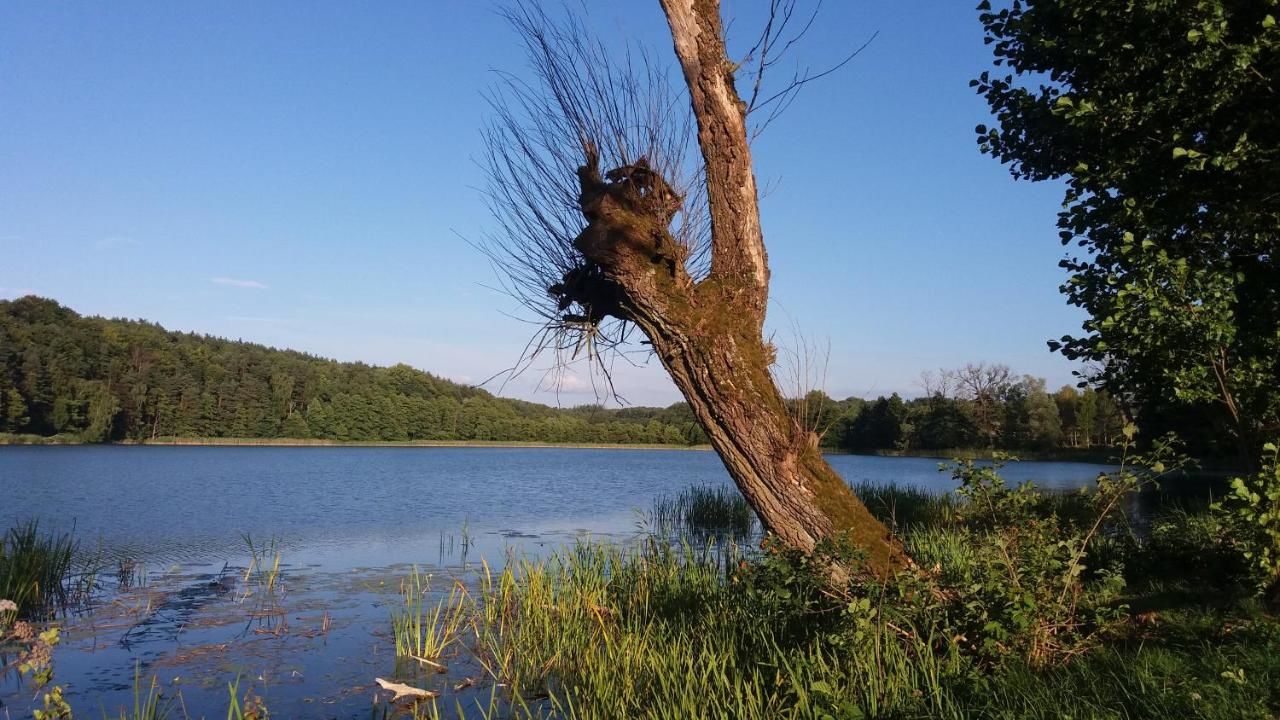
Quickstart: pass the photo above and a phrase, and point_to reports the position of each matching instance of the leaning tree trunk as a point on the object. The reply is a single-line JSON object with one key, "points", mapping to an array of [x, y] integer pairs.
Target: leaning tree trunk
{"points": [[708, 334]]}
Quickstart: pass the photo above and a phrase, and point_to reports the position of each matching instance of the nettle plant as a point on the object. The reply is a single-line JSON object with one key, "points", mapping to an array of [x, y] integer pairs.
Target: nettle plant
{"points": [[1252, 508]]}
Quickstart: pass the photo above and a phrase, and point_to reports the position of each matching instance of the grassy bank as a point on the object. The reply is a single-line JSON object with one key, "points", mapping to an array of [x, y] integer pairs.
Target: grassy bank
{"points": [[1022, 605]]}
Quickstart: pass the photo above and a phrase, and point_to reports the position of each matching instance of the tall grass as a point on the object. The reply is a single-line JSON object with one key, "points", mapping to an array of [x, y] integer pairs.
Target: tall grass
{"points": [[36, 569], [667, 632], [424, 631], [658, 630], [704, 511], [903, 507]]}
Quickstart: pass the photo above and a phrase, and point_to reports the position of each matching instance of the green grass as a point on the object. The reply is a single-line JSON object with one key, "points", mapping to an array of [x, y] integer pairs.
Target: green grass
{"points": [[906, 506], [704, 511], [1176, 673], [424, 631], [662, 631], [36, 569], [1158, 627]]}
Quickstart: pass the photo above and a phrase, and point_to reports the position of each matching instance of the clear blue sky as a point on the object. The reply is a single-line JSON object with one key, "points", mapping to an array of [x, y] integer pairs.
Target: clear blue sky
{"points": [[299, 174]]}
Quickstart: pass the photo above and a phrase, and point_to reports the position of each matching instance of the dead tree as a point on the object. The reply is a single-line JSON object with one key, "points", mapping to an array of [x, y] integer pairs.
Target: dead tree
{"points": [[610, 220]]}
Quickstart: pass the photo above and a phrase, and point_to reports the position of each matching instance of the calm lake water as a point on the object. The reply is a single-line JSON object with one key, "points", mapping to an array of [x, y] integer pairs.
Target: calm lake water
{"points": [[350, 522]]}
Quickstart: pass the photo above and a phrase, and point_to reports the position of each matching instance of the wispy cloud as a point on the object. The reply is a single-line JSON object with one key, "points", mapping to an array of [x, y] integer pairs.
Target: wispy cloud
{"points": [[115, 241], [237, 282]]}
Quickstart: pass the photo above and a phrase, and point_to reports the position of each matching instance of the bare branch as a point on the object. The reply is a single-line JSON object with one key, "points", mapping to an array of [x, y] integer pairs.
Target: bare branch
{"points": [[579, 100], [783, 98]]}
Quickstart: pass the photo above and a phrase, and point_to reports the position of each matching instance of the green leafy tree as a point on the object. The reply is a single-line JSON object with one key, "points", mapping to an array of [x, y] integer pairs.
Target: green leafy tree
{"points": [[1163, 118], [103, 408], [1031, 416], [15, 411]]}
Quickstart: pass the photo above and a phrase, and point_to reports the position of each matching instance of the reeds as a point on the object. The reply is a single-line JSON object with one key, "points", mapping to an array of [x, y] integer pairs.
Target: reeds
{"points": [[903, 507], [424, 630], [666, 632], [262, 574], [149, 701], [704, 511], [36, 569]]}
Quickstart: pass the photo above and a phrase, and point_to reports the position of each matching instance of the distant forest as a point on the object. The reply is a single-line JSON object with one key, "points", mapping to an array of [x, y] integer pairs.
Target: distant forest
{"points": [[102, 380]]}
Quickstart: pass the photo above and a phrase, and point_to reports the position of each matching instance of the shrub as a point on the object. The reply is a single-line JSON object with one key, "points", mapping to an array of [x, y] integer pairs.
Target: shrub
{"points": [[1252, 511]]}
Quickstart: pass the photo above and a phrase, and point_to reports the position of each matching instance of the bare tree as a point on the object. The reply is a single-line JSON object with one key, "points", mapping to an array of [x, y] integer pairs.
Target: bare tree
{"points": [[609, 219], [984, 386], [937, 385]]}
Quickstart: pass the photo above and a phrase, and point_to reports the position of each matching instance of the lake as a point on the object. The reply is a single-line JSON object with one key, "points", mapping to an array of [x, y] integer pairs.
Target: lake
{"points": [[172, 526]]}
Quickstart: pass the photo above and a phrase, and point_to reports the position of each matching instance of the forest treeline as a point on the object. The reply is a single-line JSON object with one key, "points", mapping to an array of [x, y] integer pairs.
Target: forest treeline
{"points": [[1002, 411], [102, 380], [107, 380]]}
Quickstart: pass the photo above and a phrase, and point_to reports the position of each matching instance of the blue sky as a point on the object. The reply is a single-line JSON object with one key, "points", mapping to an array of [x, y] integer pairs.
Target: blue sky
{"points": [[303, 175]]}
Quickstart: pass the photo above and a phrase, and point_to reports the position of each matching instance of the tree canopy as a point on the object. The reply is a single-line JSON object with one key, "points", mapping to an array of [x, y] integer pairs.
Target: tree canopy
{"points": [[1163, 118]]}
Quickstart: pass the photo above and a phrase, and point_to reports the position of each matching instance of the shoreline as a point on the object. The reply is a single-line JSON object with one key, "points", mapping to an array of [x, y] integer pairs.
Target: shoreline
{"points": [[35, 440], [1094, 456]]}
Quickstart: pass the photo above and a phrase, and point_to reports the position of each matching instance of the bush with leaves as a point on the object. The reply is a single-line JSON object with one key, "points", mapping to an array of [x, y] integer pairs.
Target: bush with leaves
{"points": [[1009, 575], [1026, 575], [1251, 509]]}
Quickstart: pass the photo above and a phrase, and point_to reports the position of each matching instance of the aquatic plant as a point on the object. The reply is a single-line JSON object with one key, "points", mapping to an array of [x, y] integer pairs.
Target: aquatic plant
{"points": [[149, 700], [424, 631], [703, 511], [262, 574], [248, 706], [906, 506], [36, 569]]}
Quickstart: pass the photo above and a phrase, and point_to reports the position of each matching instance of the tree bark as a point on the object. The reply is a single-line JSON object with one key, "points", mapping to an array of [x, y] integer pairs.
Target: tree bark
{"points": [[709, 334]]}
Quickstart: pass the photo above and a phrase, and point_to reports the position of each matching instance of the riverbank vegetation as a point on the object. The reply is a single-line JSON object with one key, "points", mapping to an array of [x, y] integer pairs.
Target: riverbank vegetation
{"points": [[1010, 614], [1021, 604]]}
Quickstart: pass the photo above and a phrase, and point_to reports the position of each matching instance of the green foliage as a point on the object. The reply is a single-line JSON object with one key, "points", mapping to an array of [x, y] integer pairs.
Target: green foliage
{"points": [[1014, 568], [68, 377], [1252, 510], [1162, 118], [34, 659], [660, 632], [1016, 414], [112, 380]]}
